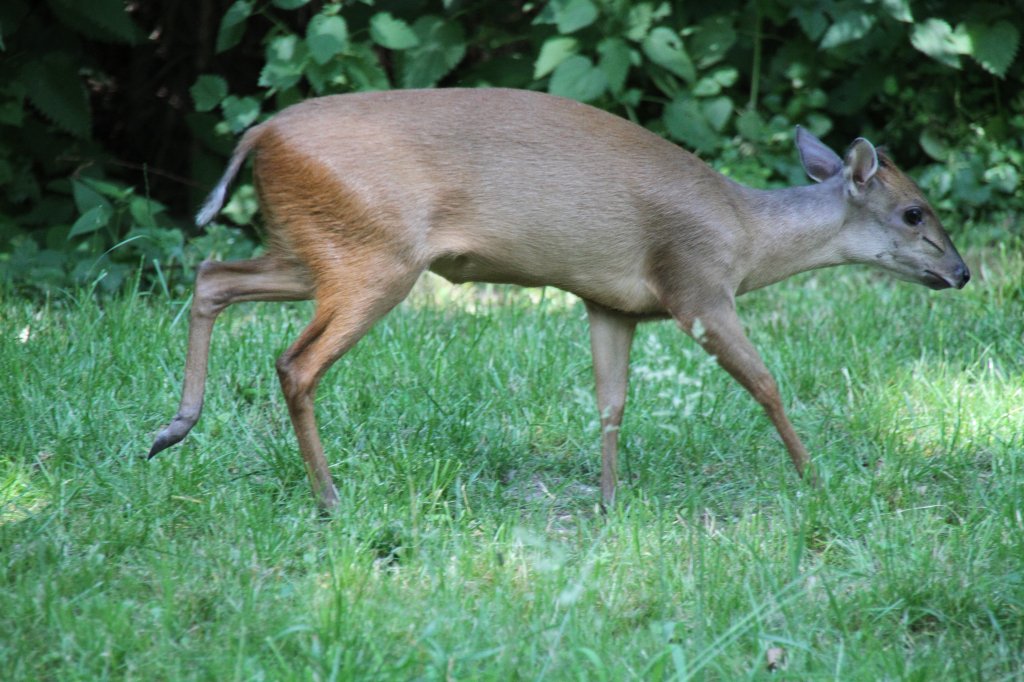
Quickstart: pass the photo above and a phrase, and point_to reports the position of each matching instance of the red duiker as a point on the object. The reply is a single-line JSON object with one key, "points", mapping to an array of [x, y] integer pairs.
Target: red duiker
{"points": [[362, 193]]}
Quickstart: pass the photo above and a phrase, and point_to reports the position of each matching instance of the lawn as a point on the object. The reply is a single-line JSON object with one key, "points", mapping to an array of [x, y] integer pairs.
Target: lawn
{"points": [[463, 436]]}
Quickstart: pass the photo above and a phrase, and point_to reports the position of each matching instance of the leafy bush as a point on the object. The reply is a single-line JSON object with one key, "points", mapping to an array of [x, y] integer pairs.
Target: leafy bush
{"points": [[67, 214], [939, 83]]}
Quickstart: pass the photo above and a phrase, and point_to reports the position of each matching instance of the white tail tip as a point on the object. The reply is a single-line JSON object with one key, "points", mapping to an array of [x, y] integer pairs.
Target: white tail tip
{"points": [[212, 205]]}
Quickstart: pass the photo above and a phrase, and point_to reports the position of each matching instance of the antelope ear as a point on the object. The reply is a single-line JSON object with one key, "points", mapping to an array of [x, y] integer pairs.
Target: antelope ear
{"points": [[860, 165], [820, 162]]}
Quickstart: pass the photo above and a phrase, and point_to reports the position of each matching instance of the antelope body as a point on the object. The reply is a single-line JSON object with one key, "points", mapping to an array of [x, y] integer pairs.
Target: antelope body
{"points": [[362, 193]]}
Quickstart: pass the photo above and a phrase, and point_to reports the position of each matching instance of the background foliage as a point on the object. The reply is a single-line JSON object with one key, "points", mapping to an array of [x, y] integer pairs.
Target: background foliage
{"points": [[116, 118]]}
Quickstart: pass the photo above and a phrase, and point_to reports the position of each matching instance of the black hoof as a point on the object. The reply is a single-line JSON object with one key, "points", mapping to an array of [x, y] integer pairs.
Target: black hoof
{"points": [[171, 435]]}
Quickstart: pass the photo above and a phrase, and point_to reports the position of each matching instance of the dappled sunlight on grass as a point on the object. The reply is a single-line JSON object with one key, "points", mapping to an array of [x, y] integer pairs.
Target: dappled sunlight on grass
{"points": [[464, 440], [20, 494], [433, 291], [937, 408], [672, 370]]}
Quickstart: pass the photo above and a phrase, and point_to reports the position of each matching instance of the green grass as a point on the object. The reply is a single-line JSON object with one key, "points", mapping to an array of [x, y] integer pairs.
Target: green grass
{"points": [[463, 437]]}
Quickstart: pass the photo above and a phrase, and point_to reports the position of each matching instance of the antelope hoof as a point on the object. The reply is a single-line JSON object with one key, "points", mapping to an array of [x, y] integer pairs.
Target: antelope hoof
{"points": [[810, 477], [328, 501], [172, 434]]}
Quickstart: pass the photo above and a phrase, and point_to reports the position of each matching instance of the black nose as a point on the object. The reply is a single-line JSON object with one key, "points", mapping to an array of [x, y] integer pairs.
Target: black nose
{"points": [[962, 275]]}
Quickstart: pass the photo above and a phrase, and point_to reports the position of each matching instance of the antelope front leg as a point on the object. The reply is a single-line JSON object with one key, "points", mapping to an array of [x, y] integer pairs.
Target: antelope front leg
{"points": [[611, 335], [721, 334]]}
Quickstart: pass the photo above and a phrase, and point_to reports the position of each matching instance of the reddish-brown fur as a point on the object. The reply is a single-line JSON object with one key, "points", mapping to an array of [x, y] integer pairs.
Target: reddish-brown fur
{"points": [[363, 193]]}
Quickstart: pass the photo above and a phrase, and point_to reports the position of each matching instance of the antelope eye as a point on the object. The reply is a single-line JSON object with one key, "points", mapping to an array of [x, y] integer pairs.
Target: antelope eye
{"points": [[913, 216]]}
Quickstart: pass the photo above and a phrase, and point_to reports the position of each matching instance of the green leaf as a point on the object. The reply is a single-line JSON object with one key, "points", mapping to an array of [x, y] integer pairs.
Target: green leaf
{"points": [[442, 45], [818, 124], [87, 197], [685, 122], [713, 83], [854, 92], [102, 20], [642, 16], [726, 76], [750, 125], [848, 26], [664, 47], [90, 221], [899, 10], [712, 40], [12, 112], [706, 87], [144, 211], [208, 91], [240, 112], [994, 46], [285, 61], [243, 205], [968, 189], [933, 145], [326, 36], [717, 111], [362, 65], [573, 15], [812, 20], [553, 52], [324, 77], [579, 79], [935, 37], [392, 33], [289, 4], [232, 26], [57, 92], [115, 191], [615, 61], [1003, 177]]}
